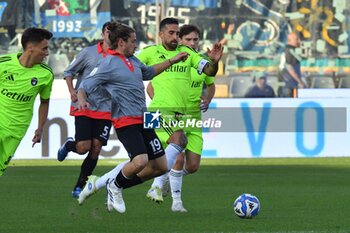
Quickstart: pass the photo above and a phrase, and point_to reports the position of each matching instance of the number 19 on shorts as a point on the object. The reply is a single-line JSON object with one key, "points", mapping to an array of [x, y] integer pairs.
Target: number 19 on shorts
{"points": [[156, 145]]}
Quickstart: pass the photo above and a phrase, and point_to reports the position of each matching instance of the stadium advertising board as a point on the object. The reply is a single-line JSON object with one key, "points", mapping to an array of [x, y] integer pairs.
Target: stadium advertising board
{"points": [[250, 128]]}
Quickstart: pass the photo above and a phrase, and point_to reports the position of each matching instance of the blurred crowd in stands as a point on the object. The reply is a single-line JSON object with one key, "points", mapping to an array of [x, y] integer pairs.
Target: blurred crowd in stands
{"points": [[253, 65]]}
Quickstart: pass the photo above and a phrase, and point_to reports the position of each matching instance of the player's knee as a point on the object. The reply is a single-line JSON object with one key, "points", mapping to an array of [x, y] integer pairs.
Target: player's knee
{"points": [[82, 150], [83, 147], [179, 138], [139, 162], [192, 167]]}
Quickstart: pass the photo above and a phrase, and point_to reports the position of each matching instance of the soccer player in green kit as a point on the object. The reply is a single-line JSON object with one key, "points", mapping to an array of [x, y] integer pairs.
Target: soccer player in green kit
{"points": [[188, 162], [171, 94], [22, 77]]}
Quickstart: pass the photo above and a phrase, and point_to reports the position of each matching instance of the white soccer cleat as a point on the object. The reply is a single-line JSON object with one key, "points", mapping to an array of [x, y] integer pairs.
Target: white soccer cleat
{"points": [[178, 207], [155, 194], [88, 189], [166, 187], [114, 198]]}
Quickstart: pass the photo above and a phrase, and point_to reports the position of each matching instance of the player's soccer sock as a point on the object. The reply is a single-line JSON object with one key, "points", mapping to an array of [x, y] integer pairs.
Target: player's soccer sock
{"points": [[175, 179], [159, 180], [184, 172], [86, 169], [71, 146], [124, 182], [171, 152], [101, 182]]}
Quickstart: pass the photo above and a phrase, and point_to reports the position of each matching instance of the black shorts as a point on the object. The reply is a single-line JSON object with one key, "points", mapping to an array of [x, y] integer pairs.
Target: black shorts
{"points": [[87, 128], [138, 140]]}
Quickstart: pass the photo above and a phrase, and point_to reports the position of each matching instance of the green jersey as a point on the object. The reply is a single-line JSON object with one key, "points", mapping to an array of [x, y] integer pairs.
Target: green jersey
{"points": [[19, 87], [171, 86]]}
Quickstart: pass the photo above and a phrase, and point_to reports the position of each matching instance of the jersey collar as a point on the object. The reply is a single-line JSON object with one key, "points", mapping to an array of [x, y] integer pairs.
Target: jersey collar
{"points": [[126, 61], [100, 49], [113, 52]]}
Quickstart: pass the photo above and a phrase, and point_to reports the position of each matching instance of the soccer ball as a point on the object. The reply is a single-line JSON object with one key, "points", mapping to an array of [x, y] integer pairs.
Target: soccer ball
{"points": [[246, 206]]}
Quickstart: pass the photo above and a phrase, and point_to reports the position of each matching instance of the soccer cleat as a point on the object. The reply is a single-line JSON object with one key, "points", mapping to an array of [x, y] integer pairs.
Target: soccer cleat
{"points": [[114, 199], [88, 189], [166, 187], [109, 206], [155, 194], [178, 207], [63, 152], [76, 192]]}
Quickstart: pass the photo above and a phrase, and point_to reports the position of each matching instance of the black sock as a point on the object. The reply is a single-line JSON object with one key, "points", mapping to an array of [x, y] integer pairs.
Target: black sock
{"points": [[86, 170], [122, 182], [71, 146]]}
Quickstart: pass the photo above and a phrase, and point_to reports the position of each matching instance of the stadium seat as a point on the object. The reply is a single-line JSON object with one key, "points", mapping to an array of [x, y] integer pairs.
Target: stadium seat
{"points": [[322, 81], [239, 85], [230, 64], [222, 80], [221, 91], [344, 82], [274, 83]]}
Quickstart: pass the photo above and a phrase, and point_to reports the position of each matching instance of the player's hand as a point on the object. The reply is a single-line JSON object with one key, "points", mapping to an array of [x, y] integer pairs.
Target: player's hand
{"points": [[73, 96], [83, 104], [37, 137], [204, 104], [181, 56], [216, 52]]}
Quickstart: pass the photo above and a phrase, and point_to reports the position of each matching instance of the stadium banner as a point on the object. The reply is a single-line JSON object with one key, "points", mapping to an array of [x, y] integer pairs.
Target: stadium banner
{"points": [[75, 19], [233, 128]]}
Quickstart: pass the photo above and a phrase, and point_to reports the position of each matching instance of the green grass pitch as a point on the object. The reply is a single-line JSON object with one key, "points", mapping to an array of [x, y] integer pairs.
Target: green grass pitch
{"points": [[296, 195]]}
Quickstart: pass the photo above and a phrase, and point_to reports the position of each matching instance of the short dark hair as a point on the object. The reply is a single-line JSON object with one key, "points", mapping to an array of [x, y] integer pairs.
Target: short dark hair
{"points": [[187, 29], [106, 25], [166, 21], [119, 31], [34, 35]]}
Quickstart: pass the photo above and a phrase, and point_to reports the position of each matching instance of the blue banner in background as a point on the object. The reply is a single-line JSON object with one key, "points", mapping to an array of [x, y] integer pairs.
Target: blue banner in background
{"points": [[78, 25], [75, 18]]}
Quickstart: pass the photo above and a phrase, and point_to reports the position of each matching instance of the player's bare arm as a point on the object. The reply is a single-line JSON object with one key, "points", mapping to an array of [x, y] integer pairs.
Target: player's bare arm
{"points": [[150, 90], [205, 100], [158, 68], [71, 89], [43, 113]]}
